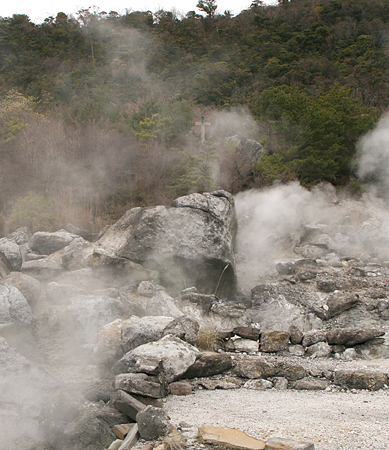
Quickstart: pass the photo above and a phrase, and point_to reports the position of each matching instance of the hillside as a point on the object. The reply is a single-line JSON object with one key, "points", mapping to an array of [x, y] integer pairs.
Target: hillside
{"points": [[98, 110]]}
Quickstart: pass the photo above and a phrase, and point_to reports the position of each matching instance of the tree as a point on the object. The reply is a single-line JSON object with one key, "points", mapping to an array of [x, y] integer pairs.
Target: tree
{"points": [[208, 6]]}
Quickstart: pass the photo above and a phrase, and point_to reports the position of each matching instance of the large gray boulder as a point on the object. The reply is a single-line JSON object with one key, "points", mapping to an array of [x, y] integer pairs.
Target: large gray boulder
{"points": [[14, 308], [174, 355], [46, 243], [28, 286], [190, 243], [10, 254], [143, 330]]}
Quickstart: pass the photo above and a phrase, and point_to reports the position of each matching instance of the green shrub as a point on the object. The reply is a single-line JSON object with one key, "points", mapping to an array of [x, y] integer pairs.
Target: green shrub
{"points": [[32, 211]]}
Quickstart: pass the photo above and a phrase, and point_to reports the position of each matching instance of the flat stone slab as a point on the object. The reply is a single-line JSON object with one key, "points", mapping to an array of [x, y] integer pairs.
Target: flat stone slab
{"points": [[231, 438]]}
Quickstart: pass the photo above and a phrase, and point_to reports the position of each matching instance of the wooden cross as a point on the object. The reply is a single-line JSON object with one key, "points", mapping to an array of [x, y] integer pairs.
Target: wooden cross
{"points": [[202, 126]]}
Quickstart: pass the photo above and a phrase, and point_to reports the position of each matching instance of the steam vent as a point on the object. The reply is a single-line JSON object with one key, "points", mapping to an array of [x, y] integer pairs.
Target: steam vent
{"points": [[190, 243]]}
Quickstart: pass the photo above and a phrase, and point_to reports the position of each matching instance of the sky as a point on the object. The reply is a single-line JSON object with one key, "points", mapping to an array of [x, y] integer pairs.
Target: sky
{"points": [[38, 10]]}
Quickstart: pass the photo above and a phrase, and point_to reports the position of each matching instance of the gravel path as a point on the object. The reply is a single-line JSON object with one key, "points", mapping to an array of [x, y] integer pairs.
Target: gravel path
{"points": [[330, 420]]}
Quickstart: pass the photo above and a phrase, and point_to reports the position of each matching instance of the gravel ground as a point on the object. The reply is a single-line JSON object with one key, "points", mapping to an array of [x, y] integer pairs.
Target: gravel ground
{"points": [[330, 420]]}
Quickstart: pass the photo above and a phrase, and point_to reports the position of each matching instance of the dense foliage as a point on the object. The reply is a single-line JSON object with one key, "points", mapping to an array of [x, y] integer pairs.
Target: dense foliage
{"points": [[98, 109]]}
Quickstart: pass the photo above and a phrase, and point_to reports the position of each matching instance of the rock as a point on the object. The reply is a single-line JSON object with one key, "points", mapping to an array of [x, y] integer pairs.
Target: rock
{"points": [[383, 309], [121, 430], [203, 300], [161, 304], [84, 432], [221, 383], [110, 416], [14, 308], [153, 423], [184, 328], [176, 356], [291, 372], [86, 315], [319, 350], [306, 275], [296, 336], [247, 333], [143, 330], [127, 404], [190, 243], [209, 364], [351, 336], [274, 341], [115, 444], [373, 350], [313, 337], [350, 354], [28, 286], [361, 379], [62, 293], [296, 350], [253, 368], [230, 310], [180, 388], [258, 384], [285, 268], [148, 288], [326, 285], [78, 254], [10, 254], [311, 384], [288, 444], [44, 269], [281, 383], [108, 348], [77, 231], [335, 305], [46, 243], [20, 236], [229, 437], [246, 345], [131, 438], [157, 402], [142, 384]]}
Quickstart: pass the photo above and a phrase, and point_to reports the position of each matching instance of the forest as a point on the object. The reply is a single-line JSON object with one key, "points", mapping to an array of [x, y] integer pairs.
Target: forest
{"points": [[98, 110]]}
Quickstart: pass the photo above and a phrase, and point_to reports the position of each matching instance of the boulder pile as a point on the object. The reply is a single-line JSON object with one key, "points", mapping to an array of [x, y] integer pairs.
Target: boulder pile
{"points": [[95, 333]]}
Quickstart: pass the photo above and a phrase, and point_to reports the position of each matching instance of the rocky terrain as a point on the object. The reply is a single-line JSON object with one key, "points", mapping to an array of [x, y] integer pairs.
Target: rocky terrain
{"points": [[103, 338]]}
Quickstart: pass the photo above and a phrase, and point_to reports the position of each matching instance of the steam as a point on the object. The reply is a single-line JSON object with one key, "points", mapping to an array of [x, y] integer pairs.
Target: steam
{"points": [[373, 155]]}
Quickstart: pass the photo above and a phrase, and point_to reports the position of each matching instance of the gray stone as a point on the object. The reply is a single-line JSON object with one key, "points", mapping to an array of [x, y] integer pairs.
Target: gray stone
{"points": [[176, 356], [143, 330], [258, 384], [180, 388], [285, 268], [296, 336], [209, 364], [57, 293], [10, 254], [361, 379], [184, 328], [247, 333], [319, 350], [190, 243], [127, 404], [290, 444], [86, 315], [274, 341], [46, 243], [291, 372], [336, 304], [45, 268], [14, 308], [296, 350], [221, 383], [73, 229], [352, 336], [28, 286], [148, 288], [313, 337], [311, 384], [326, 285], [246, 345], [78, 254], [142, 384], [253, 368], [153, 423], [280, 383]]}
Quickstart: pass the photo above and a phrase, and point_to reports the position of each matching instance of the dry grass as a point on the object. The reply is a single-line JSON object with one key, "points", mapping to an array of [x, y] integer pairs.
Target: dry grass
{"points": [[208, 339]]}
